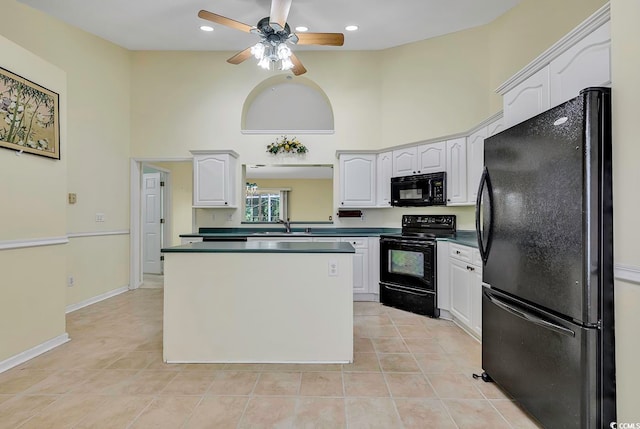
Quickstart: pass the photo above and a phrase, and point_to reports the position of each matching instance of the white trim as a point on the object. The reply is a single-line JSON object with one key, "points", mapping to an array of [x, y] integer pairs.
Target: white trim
{"points": [[33, 242], [181, 159], [627, 273], [95, 299], [97, 233], [26, 355], [278, 132], [464, 134], [215, 152], [587, 27]]}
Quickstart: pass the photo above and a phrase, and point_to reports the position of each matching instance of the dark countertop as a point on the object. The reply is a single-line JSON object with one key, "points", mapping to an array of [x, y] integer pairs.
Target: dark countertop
{"points": [[275, 232], [463, 237], [261, 247]]}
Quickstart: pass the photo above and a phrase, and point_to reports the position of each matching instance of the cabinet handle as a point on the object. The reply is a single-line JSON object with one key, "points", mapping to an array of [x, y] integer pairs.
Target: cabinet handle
{"points": [[457, 252], [470, 268], [226, 203], [414, 172]]}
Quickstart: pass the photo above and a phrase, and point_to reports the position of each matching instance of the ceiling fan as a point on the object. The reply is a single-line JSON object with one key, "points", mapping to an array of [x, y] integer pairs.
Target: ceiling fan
{"points": [[274, 35]]}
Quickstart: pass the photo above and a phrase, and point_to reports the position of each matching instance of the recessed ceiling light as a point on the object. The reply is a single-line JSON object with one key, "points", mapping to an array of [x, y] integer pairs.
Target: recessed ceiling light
{"points": [[302, 28], [206, 28], [351, 27]]}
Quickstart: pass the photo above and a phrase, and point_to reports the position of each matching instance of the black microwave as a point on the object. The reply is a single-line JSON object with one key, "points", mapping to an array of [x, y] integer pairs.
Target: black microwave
{"points": [[419, 190]]}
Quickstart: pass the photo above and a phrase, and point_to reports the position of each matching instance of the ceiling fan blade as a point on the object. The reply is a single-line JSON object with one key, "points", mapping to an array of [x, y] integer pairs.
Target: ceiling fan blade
{"points": [[222, 20], [279, 11], [240, 56], [329, 39], [298, 68]]}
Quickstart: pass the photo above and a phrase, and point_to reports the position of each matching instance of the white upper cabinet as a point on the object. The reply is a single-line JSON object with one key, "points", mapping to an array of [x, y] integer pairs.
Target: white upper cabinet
{"points": [[582, 58], [405, 161], [587, 63], [475, 161], [358, 180], [495, 127], [432, 158], [420, 159], [456, 171], [214, 177], [383, 179], [527, 99]]}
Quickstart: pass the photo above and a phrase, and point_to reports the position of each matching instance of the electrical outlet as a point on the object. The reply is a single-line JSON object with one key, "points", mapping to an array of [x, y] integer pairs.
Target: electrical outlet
{"points": [[70, 281], [100, 217], [333, 268]]}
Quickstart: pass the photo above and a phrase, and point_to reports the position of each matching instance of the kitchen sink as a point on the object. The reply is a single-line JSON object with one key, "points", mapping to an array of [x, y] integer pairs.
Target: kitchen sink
{"points": [[281, 233]]}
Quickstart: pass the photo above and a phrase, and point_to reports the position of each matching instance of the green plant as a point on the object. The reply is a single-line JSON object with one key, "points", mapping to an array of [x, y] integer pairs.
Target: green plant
{"points": [[286, 145]]}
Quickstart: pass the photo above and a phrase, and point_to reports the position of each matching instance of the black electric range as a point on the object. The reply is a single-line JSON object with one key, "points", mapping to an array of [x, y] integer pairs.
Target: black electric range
{"points": [[408, 272]]}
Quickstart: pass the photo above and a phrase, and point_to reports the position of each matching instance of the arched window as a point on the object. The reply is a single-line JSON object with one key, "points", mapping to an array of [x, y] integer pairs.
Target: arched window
{"points": [[284, 104]]}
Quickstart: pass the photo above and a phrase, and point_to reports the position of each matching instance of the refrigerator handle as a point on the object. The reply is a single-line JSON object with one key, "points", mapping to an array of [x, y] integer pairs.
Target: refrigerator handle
{"points": [[484, 180], [528, 316]]}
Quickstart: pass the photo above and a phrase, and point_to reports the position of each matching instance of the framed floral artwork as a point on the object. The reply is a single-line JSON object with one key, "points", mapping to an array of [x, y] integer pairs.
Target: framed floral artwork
{"points": [[29, 116]]}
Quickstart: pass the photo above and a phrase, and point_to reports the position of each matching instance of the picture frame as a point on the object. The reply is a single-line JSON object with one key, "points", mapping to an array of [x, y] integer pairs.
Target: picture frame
{"points": [[29, 116]]}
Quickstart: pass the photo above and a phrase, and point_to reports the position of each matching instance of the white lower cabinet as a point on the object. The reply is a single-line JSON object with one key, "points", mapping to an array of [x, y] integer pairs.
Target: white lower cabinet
{"points": [[364, 288], [465, 286]]}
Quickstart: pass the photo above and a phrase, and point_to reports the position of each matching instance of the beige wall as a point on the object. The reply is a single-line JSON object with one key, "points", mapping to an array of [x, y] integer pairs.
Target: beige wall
{"points": [[625, 37], [525, 31], [309, 199], [92, 77], [32, 192], [181, 194]]}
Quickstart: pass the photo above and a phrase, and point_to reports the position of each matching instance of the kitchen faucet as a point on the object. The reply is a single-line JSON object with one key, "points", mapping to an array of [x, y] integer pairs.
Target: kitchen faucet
{"points": [[287, 225]]}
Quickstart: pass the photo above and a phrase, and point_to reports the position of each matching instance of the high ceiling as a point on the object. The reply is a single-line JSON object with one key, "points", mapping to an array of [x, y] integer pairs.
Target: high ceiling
{"points": [[174, 25]]}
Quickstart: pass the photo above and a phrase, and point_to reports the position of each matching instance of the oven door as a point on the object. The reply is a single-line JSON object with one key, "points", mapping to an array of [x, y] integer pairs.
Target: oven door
{"points": [[408, 263]]}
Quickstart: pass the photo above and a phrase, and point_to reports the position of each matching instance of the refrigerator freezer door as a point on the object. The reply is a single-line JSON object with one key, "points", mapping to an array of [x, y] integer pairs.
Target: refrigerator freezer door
{"points": [[547, 364], [533, 210]]}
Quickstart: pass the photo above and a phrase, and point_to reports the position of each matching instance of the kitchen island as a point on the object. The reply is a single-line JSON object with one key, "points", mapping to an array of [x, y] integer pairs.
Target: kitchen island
{"points": [[258, 302]]}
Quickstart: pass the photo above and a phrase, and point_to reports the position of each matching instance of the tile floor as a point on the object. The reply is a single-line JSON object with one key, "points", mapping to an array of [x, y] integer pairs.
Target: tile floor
{"points": [[409, 372]]}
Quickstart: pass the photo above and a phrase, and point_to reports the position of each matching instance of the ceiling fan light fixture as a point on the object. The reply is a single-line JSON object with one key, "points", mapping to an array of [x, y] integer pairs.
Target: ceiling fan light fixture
{"points": [[284, 52], [257, 50]]}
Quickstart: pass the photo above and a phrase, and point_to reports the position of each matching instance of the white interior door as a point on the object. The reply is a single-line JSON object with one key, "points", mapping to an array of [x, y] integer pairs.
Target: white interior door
{"points": [[151, 224]]}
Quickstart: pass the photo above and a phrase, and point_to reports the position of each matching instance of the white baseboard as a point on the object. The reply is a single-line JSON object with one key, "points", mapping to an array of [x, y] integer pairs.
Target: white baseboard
{"points": [[98, 298], [33, 352]]}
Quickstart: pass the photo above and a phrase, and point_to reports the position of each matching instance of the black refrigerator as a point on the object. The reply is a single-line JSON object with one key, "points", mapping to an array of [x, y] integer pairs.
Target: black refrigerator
{"points": [[544, 217]]}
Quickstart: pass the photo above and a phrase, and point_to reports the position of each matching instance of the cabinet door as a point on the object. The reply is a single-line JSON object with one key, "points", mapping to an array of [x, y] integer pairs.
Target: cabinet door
{"points": [[587, 63], [383, 179], [405, 161], [213, 180], [457, 171], [432, 157], [495, 127], [460, 291], [475, 277], [357, 180], [360, 263], [527, 99], [444, 290], [475, 162]]}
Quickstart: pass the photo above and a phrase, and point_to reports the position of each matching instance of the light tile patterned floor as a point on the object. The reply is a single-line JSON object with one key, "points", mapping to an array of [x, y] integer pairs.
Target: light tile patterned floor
{"points": [[409, 372]]}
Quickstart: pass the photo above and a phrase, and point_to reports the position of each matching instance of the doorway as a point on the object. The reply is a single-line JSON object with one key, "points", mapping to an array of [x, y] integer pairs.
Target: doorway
{"points": [[151, 212], [155, 220]]}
